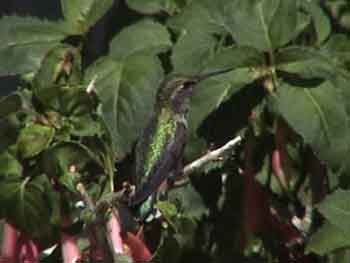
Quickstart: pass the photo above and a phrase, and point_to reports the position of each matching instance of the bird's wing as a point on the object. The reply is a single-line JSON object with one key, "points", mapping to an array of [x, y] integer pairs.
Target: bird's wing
{"points": [[142, 149], [163, 167]]}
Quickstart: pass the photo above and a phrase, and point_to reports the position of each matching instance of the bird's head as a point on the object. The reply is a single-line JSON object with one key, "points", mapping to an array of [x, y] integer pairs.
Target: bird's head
{"points": [[176, 89]]}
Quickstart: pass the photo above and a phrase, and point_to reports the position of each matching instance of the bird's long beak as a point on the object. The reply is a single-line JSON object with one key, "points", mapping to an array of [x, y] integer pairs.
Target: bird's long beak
{"points": [[204, 76]]}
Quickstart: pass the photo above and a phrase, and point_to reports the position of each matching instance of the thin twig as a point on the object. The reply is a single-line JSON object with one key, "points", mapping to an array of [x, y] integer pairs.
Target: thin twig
{"points": [[110, 199], [86, 198], [100, 226], [208, 157]]}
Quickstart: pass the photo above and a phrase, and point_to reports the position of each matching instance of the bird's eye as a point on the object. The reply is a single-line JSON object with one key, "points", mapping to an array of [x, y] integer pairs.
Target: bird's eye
{"points": [[188, 84]]}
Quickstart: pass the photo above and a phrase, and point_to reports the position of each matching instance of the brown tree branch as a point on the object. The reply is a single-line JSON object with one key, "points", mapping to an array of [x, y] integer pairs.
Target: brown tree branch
{"points": [[208, 157], [99, 227]]}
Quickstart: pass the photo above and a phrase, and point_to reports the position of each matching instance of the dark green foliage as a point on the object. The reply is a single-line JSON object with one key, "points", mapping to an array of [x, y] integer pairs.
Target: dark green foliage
{"points": [[287, 95]]}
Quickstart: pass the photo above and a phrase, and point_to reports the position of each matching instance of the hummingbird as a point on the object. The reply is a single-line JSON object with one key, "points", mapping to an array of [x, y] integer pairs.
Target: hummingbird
{"points": [[160, 149]]}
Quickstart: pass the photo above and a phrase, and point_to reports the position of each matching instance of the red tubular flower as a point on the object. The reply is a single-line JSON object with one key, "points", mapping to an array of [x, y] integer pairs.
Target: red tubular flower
{"points": [[138, 249], [70, 250], [280, 158], [114, 231], [255, 206], [28, 249], [255, 200], [9, 244], [258, 217], [18, 247]]}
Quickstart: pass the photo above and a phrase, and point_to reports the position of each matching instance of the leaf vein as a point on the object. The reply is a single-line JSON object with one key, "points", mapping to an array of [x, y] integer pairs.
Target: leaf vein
{"points": [[322, 116]]}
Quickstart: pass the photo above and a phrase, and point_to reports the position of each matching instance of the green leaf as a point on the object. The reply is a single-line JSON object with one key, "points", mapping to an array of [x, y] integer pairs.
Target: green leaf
{"points": [[200, 26], [320, 118], [54, 198], [85, 125], [127, 92], [182, 225], [167, 209], [202, 15], [25, 41], [83, 14], [327, 239], [188, 202], [306, 62], [10, 104], [186, 229], [210, 93], [303, 21], [61, 66], [169, 248], [336, 208], [153, 6], [33, 139], [196, 43], [192, 51], [75, 101], [203, 27], [24, 203], [178, 236], [9, 166], [341, 255], [57, 160], [194, 147], [341, 83], [338, 43], [108, 73], [234, 57], [265, 24], [262, 24], [320, 19], [338, 49], [145, 36], [9, 129], [69, 180]]}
